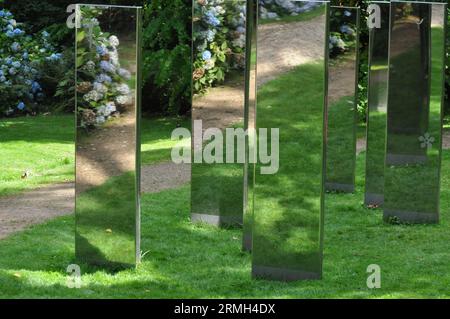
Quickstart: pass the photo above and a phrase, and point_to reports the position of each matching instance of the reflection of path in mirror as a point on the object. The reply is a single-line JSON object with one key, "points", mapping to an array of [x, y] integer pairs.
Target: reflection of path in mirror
{"points": [[340, 76], [281, 49], [221, 106], [107, 152]]}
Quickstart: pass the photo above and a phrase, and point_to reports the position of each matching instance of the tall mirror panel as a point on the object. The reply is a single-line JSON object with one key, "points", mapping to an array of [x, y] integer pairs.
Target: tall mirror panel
{"points": [[292, 78], [342, 99], [414, 123], [107, 147], [377, 104], [218, 144], [250, 122]]}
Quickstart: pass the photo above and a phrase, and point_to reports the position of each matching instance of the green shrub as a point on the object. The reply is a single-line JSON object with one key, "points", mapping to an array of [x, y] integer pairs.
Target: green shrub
{"points": [[167, 56]]}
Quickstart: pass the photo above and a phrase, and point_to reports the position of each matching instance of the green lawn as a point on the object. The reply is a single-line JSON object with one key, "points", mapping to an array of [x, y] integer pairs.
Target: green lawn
{"points": [[186, 260], [155, 138], [41, 145]]}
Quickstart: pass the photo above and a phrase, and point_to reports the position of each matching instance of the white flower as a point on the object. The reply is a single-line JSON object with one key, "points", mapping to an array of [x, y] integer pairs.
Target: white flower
{"points": [[123, 89], [111, 107], [209, 64], [93, 96], [101, 88], [123, 99], [114, 41], [100, 120], [114, 57]]}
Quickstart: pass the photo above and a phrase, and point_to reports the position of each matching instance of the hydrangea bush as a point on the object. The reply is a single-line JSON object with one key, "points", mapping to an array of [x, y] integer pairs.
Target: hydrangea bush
{"points": [[342, 32], [219, 40], [21, 57], [102, 89], [273, 9]]}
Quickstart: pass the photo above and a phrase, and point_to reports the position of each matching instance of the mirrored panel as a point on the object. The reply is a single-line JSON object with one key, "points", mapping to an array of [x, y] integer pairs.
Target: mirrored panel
{"points": [[292, 78], [107, 157], [342, 99], [377, 104], [414, 123], [218, 112], [250, 122]]}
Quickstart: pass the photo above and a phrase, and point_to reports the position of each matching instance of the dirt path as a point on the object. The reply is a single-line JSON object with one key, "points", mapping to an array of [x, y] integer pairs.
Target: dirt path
{"points": [[221, 106], [34, 207], [280, 49], [108, 152]]}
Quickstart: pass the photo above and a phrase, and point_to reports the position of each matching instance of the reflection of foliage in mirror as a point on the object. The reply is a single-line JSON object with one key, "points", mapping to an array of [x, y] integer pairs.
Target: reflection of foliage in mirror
{"points": [[219, 41], [102, 84], [343, 32]]}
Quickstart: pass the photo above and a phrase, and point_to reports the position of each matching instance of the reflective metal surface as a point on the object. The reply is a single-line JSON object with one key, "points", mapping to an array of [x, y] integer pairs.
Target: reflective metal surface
{"points": [[342, 99], [217, 183], [291, 95], [377, 107], [250, 122], [107, 143], [414, 123]]}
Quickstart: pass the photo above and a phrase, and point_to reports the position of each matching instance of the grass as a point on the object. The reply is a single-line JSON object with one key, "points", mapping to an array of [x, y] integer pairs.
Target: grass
{"points": [[42, 145], [341, 142], [187, 260], [155, 138]]}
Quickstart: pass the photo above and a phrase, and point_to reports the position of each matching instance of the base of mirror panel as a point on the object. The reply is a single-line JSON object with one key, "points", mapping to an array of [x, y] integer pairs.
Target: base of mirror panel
{"points": [[410, 217], [283, 274], [336, 187], [373, 199], [400, 159], [216, 220], [247, 243]]}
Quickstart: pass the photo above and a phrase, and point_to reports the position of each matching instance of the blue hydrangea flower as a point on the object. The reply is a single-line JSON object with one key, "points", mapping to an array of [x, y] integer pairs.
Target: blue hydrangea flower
{"points": [[346, 29], [18, 32], [101, 50], [54, 57], [347, 13], [21, 106], [15, 47], [35, 87], [210, 35], [102, 78], [211, 18], [206, 55], [2, 79], [16, 64], [108, 67]]}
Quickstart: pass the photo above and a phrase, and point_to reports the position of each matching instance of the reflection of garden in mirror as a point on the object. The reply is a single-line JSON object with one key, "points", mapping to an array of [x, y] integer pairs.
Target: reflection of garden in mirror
{"points": [[342, 98], [106, 147], [219, 36]]}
